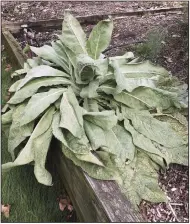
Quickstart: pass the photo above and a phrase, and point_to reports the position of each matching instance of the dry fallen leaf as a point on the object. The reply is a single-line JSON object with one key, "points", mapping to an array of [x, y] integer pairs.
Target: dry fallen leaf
{"points": [[62, 206], [70, 207], [65, 203], [168, 59], [8, 68], [5, 209]]}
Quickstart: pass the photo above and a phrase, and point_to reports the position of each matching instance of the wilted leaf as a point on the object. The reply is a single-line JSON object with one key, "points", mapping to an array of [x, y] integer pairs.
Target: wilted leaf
{"points": [[140, 181], [5, 209], [153, 129], [93, 170]]}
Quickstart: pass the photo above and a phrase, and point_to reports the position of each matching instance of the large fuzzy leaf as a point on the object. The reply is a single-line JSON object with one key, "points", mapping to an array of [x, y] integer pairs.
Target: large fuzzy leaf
{"points": [[93, 170], [90, 90], [41, 145], [60, 50], [105, 119], [140, 181], [153, 129], [177, 122], [143, 69], [141, 141], [177, 154], [90, 105], [116, 141], [36, 149], [21, 71], [7, 117], [72, 57], [131, 79], [90, 158], [85, 69], [72, 34], [99, 38], [76, 145], [32, 87], [15, 85], [34, 62], [48, 53], [17, 133], [122, 60], [41, 71], [71, 114], [39, 103], [141, 97]]}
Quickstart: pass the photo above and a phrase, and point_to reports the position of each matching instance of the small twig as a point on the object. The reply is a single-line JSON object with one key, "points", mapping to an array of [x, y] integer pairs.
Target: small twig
{"points": [[121, 45], [172, 210], [179, 204]]}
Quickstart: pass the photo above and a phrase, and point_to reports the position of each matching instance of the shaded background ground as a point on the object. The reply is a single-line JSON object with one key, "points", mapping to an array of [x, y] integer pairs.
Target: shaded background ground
{"points": [[166, 36]]}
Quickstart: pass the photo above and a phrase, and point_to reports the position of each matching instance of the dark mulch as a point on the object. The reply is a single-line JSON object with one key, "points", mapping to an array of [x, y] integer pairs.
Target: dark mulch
{"points": [[36, 10], [175, 183]]}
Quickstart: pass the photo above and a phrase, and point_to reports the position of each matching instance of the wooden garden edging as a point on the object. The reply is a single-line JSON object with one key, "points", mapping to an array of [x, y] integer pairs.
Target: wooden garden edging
{"points": [[93, 200], [42, 25], [13, 48]]}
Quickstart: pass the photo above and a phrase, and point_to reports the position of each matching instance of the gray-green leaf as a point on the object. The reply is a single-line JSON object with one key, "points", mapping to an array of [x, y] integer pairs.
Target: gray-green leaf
{"points": [[32, 87], [42, 71], [39, 103], [99, 38]]}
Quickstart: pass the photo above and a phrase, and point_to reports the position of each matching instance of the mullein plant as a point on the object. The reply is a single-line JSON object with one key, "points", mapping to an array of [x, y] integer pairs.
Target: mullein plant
{"points": [[117, 118]]}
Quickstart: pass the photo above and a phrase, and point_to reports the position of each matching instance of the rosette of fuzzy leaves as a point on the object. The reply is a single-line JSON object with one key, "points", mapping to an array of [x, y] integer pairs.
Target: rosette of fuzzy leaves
{"points": [[115, 117]]}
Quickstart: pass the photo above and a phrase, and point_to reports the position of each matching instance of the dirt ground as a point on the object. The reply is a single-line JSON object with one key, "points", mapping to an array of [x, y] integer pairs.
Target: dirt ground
{"points": [[173, 55]]}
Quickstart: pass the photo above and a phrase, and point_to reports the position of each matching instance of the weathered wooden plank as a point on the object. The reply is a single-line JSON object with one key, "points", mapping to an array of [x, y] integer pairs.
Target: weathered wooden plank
{"points": [[42, 25], [16, 56], [94, 200]]}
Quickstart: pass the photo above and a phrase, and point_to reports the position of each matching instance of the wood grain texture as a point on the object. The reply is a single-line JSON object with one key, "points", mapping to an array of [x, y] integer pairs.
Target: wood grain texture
{"points": [[94, 200], [16, 56]]}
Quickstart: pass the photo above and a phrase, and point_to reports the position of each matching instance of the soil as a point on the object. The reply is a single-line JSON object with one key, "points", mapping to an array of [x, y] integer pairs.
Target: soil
{"points": [[174, 181], [173, 55], [36, 10]]}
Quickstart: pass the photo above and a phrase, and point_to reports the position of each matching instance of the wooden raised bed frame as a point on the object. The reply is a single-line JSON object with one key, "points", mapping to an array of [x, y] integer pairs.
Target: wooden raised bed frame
{"points": [[93, 200]]}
